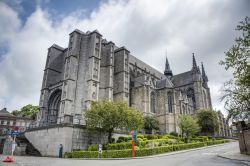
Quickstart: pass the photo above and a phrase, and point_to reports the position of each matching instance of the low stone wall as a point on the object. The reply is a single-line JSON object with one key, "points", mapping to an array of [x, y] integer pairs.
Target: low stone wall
{"points": [[47, 140]]}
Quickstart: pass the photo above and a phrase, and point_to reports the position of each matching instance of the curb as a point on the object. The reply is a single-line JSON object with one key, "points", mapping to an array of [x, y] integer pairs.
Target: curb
{"points": [[153, 156], [221, 156]]}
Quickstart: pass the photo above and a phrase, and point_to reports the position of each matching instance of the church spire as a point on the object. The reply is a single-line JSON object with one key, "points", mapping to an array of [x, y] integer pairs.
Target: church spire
{"points": [[167, 71], [204, 76], [195, 68], [194, 62]]}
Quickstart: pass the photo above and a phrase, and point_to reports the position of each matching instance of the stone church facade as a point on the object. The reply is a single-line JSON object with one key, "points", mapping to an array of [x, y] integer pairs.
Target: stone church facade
{"points": [[92, 69]]}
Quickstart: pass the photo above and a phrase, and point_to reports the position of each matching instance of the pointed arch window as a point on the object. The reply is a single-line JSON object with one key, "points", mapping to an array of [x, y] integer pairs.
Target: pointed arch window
{"points": [[153, 102], [170, 103], [190, 94]]}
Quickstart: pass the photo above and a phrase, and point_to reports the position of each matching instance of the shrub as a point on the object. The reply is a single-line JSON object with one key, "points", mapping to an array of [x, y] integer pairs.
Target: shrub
{"points": [[174, 134], [216, 142], [139, 151], [200, 139], [93, 147], [151, 136], [105, 154], [118, 146], [159, 136], [170, 136], [140, 136], [122, 139]]}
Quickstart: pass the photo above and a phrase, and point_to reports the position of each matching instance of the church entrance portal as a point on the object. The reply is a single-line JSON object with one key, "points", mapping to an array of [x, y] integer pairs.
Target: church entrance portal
{"points": [[54, 106]]}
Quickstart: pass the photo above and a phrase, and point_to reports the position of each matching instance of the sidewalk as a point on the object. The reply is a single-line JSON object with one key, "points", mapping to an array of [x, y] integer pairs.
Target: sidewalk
{"points": [[235, 155]]}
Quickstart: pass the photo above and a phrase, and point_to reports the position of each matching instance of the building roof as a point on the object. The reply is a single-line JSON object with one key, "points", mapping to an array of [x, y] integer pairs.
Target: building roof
{"points": [[4, 112], [164, 83], [183, 78]]}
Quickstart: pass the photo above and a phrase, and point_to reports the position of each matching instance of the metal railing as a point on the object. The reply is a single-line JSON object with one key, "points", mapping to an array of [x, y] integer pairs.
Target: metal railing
{"points": [[60, 122]]}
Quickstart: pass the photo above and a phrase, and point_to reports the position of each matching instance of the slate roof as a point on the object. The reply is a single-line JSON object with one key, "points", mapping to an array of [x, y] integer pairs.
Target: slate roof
{"points": [[4, 112], [182, 78], [164, 83]]}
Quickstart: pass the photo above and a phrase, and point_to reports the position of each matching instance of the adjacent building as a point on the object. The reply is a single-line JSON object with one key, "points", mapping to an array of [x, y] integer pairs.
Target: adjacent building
{"points": [[224, 130], [10, 122]]}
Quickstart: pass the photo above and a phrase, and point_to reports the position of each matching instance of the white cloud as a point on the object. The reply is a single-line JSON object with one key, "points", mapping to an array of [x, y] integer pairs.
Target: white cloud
{"points": [[146, 28]]}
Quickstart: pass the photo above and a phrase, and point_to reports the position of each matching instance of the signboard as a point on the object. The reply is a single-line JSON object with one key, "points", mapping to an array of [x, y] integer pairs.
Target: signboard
{"points": [[13, 147], [100, 148], [133, 133], [15, 133]]}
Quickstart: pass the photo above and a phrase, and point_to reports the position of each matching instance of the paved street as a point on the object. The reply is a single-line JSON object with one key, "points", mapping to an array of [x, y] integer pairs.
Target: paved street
{"points": [[203, 157]]}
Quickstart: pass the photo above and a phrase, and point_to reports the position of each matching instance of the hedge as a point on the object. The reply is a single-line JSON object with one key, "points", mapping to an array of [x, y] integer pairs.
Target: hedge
{"points": [[126, 153], [118, 146], [216, 142]]}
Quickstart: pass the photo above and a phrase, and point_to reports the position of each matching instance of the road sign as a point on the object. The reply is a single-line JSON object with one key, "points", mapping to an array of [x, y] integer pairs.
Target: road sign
{"points": [[15, 133]]}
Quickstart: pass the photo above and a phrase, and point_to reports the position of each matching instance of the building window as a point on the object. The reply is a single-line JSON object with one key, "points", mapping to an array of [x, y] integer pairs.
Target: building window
{"points": [[2, 122], [190, 94], [183, 109], [96, 65], [170, 103], [153, 102], [205, 99], [70, 42], [67, 67]]}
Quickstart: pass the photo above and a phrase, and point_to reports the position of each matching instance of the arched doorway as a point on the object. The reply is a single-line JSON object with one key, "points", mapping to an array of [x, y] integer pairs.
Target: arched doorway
{"points": [[54, 106]]}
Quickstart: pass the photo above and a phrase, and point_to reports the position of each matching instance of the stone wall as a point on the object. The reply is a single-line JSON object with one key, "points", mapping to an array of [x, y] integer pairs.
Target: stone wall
{"points": [[244, 137], [47, 140], [244, 141]]}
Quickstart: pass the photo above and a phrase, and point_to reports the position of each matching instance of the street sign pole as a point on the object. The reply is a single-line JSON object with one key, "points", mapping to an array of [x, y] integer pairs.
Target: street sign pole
{"points": [[13, 146], [133, 133], [133, 148]]}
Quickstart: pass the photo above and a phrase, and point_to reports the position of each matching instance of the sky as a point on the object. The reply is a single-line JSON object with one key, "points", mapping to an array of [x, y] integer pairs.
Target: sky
{"points": [[149, 29]]}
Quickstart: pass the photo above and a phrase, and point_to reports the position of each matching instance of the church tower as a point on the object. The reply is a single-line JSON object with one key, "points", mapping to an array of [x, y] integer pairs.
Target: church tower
{"points": [[197, 85], [204, 76], [168, 71]]}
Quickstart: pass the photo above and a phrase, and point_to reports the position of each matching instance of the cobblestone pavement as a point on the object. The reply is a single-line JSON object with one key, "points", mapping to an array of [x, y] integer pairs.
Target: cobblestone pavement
{"points": [[204, 157]]}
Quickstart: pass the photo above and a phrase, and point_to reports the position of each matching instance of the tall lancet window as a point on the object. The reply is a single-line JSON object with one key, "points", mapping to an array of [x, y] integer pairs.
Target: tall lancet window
{"points": [[153, 102], [190, 94], [170, 103]]}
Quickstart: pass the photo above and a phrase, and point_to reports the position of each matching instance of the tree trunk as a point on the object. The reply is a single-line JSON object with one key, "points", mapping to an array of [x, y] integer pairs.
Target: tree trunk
{"points": [[110, 136]]}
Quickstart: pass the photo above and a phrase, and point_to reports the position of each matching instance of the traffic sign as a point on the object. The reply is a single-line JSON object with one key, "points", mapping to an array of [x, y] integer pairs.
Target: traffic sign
{"points": [[15, 133]]}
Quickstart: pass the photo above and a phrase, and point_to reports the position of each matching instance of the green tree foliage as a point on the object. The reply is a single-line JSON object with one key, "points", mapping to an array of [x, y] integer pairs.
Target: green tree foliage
{"points": [[151, 123], [188, 125], [237, 59], [208, 121], [27, 111], [110, 116]]}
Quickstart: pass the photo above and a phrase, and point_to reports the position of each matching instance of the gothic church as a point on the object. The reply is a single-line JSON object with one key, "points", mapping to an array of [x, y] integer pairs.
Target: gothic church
{"points": [[92, 68]]}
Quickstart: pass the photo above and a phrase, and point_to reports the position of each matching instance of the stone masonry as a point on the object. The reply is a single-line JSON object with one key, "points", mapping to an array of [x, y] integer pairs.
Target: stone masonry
{"points": [[92, 69]]}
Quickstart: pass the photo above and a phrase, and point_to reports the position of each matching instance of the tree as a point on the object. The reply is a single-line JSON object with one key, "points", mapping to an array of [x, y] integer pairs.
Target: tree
{"points": [[188, 125], [237, 59], [27, 111], [208, 121], [110, 116], [150, 123], [133, 120]]}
